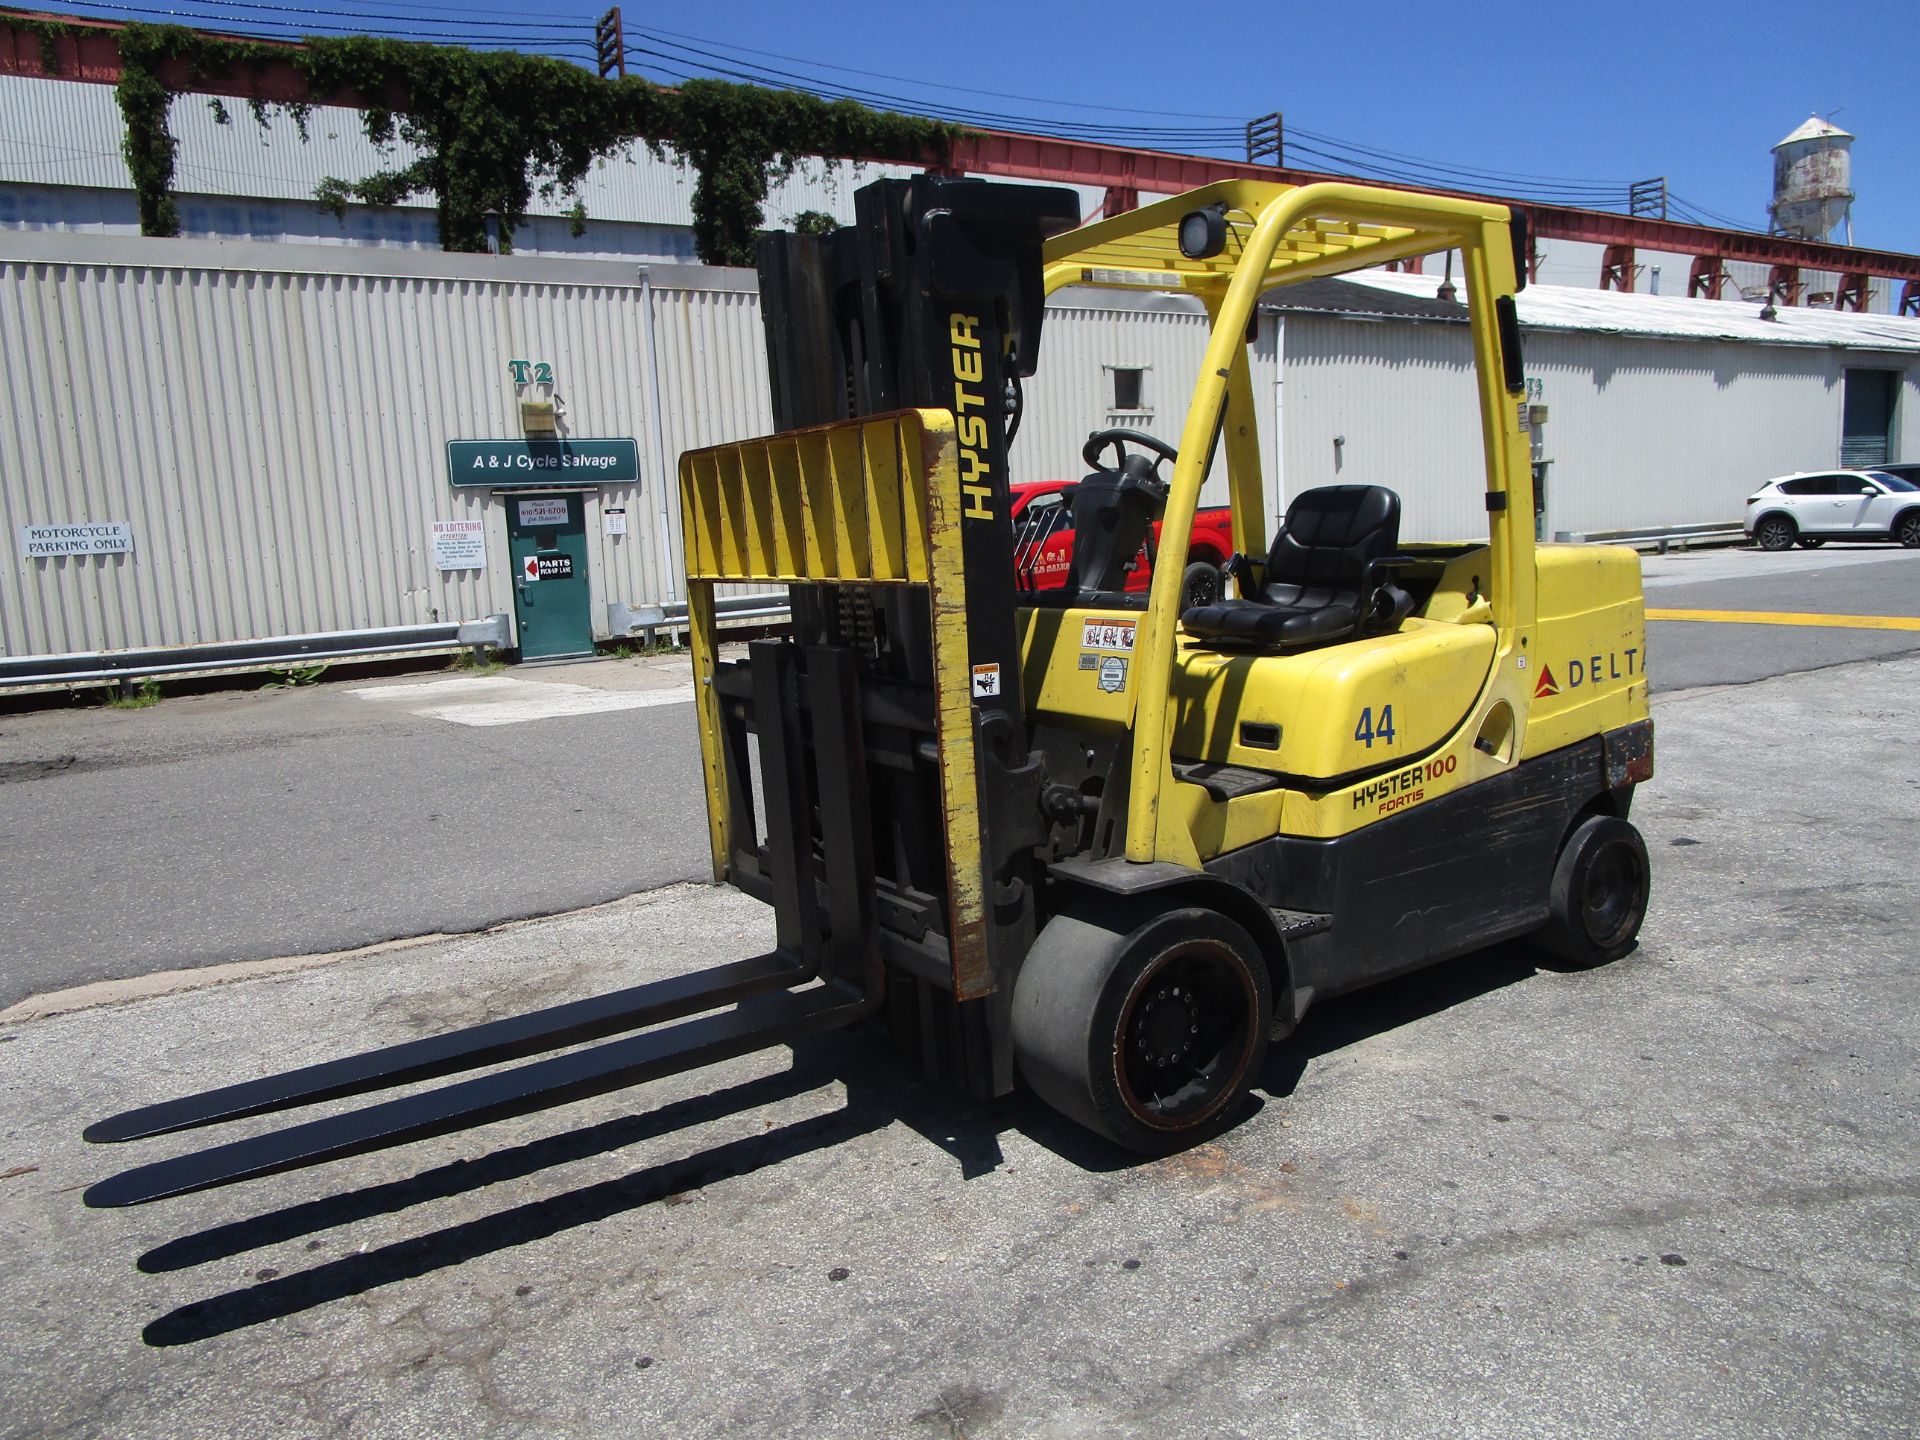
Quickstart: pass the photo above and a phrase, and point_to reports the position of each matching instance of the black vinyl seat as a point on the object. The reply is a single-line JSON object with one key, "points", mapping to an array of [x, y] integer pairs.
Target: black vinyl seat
{"points": [[1326, 578]]}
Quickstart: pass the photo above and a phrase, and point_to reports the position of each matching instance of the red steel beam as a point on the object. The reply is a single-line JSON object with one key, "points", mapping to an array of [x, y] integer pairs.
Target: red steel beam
{"points": [[89, 51], [94, 56]]}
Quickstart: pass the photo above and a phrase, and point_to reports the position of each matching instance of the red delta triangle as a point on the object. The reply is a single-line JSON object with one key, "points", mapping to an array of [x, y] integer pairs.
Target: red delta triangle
{"points": [[1546, 686]]}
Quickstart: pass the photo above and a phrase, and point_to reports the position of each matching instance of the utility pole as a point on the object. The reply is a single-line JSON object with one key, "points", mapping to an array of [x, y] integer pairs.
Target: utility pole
{"points": [[610, 45], [1263, 139], [1648, 198]]}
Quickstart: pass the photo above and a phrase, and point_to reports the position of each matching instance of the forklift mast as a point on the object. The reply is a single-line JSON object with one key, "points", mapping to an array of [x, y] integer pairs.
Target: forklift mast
{"points": [[932, 299]]}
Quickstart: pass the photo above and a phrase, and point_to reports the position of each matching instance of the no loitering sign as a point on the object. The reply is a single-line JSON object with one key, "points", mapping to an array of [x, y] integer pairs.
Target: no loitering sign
{"points": [[103, 537]]}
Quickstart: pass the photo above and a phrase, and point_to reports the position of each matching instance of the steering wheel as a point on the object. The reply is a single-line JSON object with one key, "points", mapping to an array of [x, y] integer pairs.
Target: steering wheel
{"points": [[1119, 440]]}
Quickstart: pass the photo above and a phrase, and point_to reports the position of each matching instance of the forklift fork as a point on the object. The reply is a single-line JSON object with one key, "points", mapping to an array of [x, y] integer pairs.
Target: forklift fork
{"points": [[830, 974]]}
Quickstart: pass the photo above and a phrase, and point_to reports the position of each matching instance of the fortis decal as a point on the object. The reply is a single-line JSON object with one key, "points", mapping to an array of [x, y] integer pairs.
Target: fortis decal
{"points": [[969, 394]]}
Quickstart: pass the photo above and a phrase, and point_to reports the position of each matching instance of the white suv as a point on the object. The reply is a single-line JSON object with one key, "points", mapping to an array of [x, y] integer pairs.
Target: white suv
{"points": [[1811, 509]]}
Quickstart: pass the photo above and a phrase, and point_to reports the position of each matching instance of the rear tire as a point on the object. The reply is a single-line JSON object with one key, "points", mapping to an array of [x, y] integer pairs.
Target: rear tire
{"points": [[1599, 893], [1906, 529], [1200, 586], [1776, 532], [1150, 1036]]}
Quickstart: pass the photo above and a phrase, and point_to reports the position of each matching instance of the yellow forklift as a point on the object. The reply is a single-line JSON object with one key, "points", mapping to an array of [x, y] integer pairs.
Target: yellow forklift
{"points": [[1077, 838]]}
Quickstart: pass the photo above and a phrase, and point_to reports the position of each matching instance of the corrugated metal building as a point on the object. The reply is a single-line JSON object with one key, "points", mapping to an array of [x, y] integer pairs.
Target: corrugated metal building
{"points": [[270, 423], [1658, 411]]}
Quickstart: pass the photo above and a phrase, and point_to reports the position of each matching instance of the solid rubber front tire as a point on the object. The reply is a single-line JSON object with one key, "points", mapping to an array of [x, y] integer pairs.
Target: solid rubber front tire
{"points": [[1599, 893], [1149, 1036]]}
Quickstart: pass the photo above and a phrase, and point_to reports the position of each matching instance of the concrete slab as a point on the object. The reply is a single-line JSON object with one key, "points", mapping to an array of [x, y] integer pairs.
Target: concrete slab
{"points": [[1676, 1196]]}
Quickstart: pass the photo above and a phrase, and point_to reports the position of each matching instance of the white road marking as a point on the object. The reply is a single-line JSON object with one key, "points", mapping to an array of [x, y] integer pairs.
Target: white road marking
{"points": [[506, 700]]}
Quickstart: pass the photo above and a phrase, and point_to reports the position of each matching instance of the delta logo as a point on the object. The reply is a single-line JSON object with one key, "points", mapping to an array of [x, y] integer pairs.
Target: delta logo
{"points": [[1591, 670]]}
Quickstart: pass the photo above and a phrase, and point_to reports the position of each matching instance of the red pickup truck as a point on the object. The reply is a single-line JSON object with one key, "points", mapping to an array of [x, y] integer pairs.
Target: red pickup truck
{"points": [[1043, 544]]}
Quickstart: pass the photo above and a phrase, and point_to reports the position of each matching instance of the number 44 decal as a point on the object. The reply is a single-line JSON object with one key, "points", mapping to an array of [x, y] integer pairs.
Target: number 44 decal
{"points": [[1366, 732]]}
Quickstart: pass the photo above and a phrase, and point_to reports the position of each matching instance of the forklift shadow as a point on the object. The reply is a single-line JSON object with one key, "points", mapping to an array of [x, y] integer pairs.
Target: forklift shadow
{"points": [[877, 1096], [1346, 1020]]}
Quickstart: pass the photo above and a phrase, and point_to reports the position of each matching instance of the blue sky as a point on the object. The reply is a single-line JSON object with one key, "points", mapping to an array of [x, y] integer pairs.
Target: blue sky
{"points": [[1583, 99]]}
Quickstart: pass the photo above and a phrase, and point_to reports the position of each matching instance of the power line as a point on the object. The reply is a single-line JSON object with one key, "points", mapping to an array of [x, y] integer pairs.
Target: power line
{"points": [[1711, 217], [1420, 161], [723, 66], [1234, 120], [676, 61], [283, 30], [186, 12]]}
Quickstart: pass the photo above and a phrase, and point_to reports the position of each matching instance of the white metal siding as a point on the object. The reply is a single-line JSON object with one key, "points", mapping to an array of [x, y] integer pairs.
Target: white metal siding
{"points": [[1402, 397], [1641, 432], [1072, 395], [1651, 433], [277, 443], [272, 422]]}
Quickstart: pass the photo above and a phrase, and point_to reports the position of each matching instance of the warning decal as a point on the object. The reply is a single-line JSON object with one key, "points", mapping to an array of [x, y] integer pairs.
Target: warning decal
{"points": [[1107, 635], [986, 681]]}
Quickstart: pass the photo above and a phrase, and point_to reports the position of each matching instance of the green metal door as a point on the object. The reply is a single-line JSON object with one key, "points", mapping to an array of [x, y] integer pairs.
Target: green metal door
{"points": [[547, 538]]}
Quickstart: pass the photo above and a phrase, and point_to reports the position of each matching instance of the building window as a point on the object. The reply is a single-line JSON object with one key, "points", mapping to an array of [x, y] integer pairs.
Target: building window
{"points": [[1129, 387]]}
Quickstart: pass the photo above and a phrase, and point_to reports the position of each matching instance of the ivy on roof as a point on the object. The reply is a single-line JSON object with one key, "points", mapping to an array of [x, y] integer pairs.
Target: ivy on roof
{"points": [[495, 127]]}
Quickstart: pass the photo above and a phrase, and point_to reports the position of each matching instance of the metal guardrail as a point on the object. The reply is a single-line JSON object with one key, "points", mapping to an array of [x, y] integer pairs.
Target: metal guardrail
{"points": [[645, 619], [1659, 538], [92, 667]]}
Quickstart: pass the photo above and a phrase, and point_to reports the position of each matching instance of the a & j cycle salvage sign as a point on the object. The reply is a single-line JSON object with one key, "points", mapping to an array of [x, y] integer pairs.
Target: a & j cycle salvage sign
{"points": [[531, 464]]}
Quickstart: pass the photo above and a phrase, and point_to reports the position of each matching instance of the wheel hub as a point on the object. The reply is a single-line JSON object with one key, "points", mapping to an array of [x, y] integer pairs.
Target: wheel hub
{"points": [[1164, 1029]]}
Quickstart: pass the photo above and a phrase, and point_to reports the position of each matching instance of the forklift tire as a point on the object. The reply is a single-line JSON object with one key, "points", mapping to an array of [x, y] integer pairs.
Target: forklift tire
{"points": [[1599, 893], [1201, 585], [1149, 1037]]}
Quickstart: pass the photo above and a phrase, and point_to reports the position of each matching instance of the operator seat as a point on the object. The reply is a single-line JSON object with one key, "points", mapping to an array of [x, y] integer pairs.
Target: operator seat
{"points": [[1326, 577]]}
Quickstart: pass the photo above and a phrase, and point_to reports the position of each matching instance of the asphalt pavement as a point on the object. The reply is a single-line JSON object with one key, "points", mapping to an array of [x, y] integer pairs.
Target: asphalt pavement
{"points": [[253, 824], [1850, 580], [259, 823], [1675, 1196]]}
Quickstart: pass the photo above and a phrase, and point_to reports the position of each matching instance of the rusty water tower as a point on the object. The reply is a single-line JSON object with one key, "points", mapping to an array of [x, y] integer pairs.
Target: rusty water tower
{"points": [[1813, 182]]}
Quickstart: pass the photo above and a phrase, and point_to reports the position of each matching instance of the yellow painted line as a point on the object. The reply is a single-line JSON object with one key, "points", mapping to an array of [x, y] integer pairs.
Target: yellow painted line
{"points": [[1789, 617]]}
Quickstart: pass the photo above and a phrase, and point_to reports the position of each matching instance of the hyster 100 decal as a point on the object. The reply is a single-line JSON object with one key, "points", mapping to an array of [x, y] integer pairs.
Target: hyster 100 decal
{"points": [[1404, 787]]}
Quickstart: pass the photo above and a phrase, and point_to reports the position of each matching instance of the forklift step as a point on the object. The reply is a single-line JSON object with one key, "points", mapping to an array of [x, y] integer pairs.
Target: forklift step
{"points": [[1224, 782], [542, 1085], [494, 1043]]}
